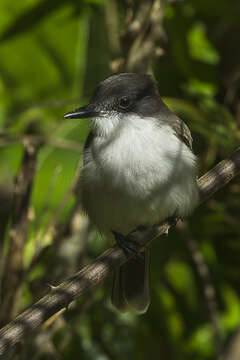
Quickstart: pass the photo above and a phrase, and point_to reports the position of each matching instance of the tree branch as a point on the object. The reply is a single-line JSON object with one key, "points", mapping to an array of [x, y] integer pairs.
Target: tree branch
{"points": [[95, 273]]}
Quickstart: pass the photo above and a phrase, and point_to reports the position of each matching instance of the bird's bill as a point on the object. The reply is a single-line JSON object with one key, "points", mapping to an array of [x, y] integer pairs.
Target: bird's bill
{"points": [[82, 113]]}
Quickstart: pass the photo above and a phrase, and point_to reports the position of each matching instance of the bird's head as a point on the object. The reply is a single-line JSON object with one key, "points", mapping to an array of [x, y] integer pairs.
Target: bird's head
{"points": [[118, 99]]}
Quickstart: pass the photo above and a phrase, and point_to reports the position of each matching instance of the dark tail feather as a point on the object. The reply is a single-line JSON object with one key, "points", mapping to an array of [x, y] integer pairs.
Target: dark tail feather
{"points": [[131, 285]]}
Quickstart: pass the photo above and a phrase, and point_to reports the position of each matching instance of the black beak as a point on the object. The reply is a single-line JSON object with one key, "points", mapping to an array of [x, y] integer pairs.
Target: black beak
{"points": [[83, 112]]}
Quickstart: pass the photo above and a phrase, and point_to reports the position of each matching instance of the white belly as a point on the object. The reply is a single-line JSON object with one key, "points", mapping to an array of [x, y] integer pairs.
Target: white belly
{"points": [[138, 178]]}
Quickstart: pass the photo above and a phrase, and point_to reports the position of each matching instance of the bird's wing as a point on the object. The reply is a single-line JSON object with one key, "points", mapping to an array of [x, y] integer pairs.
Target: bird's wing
{"points": [[182, 132], [87, 145]]}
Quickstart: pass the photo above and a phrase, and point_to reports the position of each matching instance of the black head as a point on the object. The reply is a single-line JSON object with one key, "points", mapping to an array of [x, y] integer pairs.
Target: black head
{"points": [[125, 93]]}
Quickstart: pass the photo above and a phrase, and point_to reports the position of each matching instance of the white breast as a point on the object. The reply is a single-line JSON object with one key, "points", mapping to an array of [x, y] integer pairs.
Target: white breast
{"points": [[139, 175]]}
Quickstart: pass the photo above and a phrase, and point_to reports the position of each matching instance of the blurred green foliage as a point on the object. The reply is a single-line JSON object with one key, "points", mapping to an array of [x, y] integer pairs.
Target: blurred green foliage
{"points": [[52, 55]]}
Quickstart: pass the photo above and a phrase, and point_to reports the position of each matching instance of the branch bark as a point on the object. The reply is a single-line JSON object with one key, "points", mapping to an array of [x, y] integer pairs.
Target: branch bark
{"points": [[95, 273]]}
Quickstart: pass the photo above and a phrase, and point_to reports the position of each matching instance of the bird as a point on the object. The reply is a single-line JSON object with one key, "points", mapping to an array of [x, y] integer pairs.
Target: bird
{"points": [[138, 170]]}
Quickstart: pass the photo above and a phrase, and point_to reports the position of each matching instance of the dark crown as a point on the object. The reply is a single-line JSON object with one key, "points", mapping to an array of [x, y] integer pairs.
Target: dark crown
{"points": [[128, 92]]}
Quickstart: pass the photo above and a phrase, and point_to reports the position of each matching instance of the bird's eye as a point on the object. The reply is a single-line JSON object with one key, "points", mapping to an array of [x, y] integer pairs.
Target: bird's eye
{"points": [[124, 102]]}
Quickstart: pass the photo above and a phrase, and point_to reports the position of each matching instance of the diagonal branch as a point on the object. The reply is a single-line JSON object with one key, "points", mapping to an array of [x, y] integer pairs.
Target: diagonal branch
{"points": [[95, 273]]}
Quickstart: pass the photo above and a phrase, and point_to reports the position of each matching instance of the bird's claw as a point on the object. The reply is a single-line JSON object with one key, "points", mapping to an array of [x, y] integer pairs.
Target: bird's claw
{"points": [[128, 245], [173, 219]]}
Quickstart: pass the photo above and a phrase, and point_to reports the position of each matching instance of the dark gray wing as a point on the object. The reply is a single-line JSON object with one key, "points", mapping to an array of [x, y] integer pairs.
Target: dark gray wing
{"points": [[87, 145], [86, 149], [182, 131]]}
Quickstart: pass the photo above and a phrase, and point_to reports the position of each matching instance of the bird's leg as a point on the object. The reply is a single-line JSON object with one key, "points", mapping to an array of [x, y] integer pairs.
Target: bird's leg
{"points": [[127, 244], [131, 246], [173, 219]]}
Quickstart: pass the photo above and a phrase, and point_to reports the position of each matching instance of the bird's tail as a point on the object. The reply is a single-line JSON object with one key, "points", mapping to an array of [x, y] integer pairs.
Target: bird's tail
{"points": [[131, 285]]}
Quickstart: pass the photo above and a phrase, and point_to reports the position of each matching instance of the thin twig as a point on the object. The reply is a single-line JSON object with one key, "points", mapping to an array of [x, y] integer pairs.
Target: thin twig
{"points": [[50, 227], [232, 351], [40, 105], [7, 140], [13, 270], [208, 288], [141, 39], [95, 273], [65, 199]]}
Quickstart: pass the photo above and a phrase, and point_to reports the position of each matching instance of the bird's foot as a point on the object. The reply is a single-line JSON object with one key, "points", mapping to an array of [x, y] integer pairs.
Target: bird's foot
{"points": [[173, 219], [128, 245]]}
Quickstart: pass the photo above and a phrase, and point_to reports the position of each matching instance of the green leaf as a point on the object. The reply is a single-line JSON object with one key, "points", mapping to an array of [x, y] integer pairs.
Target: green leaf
{"points": [[200, 48]]}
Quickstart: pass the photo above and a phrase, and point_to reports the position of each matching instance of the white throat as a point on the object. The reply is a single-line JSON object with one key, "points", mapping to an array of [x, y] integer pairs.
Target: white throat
{"points": [[114, 123], [107, 125]]}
